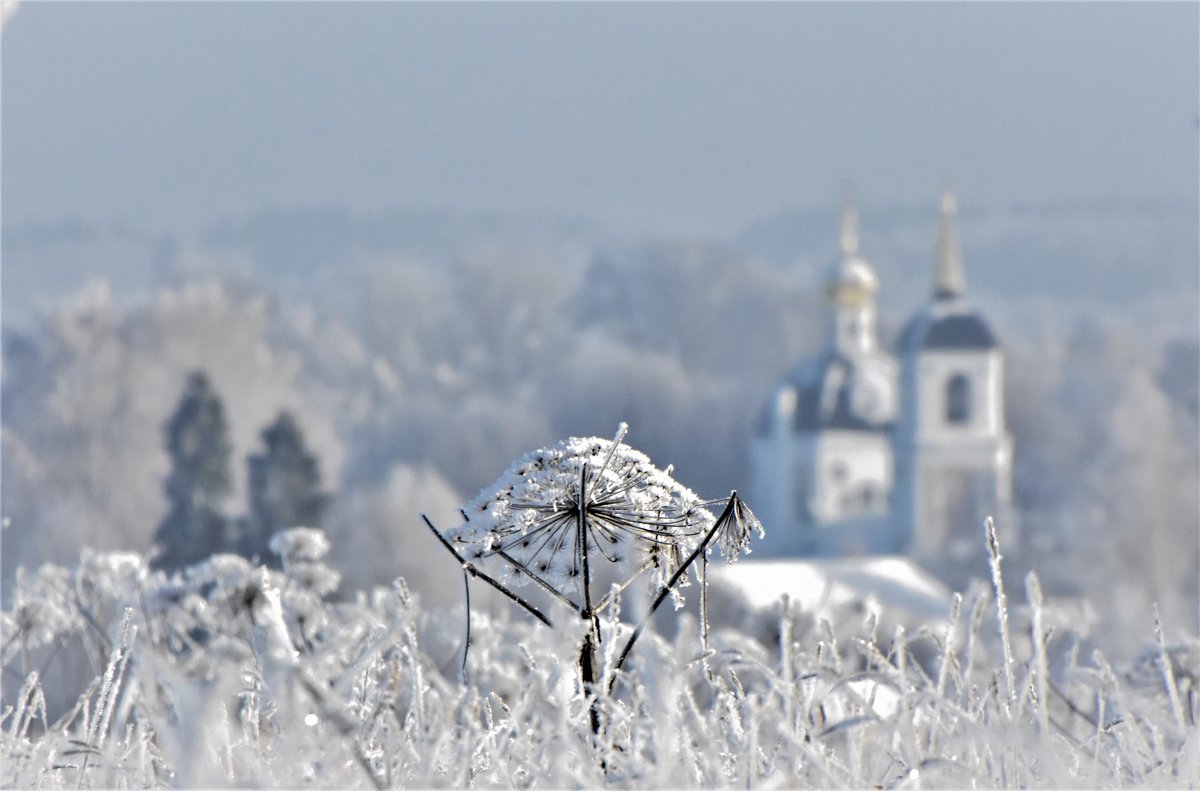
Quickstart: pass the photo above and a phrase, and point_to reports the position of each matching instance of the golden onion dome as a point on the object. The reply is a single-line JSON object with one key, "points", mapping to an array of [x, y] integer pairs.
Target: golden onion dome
{"points": [[853, 281]]}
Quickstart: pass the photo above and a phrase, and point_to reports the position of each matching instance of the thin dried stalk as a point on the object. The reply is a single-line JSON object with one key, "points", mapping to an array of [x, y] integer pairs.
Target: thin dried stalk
{"points": [[994, 557]]}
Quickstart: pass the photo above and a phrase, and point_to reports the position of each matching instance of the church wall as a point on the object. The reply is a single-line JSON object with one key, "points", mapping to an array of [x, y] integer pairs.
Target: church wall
{"points": [[853, 474], [952, 502], [806, 484]]}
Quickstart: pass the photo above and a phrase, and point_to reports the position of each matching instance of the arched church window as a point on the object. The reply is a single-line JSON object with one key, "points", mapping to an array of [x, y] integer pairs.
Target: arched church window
{"points": [[868, 497], [958, 399]]}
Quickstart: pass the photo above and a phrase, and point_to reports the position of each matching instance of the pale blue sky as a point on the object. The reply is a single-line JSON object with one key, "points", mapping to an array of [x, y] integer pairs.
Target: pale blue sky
{"points": [[663, 118]]}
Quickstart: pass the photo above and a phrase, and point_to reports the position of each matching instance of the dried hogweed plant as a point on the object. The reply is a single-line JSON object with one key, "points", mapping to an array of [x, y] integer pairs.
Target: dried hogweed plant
{"points": [[565, 518]]}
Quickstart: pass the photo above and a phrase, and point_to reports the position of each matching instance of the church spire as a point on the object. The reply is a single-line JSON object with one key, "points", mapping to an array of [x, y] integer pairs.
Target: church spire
{"points": [[949, 281], [851, 291], [849, 227], [852, 282]]}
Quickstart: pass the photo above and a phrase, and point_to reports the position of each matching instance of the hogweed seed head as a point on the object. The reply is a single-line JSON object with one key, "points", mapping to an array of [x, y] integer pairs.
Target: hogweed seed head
{"points": [[526, 522]]}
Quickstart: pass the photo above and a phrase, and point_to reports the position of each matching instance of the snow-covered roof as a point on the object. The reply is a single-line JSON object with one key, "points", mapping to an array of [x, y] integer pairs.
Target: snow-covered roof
{"points": [[820, 585]]}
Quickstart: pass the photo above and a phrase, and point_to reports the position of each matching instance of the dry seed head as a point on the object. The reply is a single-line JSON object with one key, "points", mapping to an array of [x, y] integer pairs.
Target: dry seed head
{"points": [[527, 520]]}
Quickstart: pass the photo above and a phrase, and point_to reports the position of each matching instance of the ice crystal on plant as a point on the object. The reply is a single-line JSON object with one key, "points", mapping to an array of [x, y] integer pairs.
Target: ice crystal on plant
{"points": [[219, 570], [300, 544], [43, 609], [269, 636], [734, 536], [315, 577]]}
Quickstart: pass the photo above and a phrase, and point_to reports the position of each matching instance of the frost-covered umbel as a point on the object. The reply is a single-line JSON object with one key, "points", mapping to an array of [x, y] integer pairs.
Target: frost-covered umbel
{"points": [[635, 515]]}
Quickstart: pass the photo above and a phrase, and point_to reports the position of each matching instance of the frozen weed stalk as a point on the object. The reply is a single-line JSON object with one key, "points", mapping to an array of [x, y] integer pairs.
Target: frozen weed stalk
{"points": [[568, 518]]}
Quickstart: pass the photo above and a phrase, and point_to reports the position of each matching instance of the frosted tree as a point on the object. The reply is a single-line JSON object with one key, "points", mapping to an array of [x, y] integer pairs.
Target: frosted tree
{"points": [[89, 387], [284, 486], [198, 443]]}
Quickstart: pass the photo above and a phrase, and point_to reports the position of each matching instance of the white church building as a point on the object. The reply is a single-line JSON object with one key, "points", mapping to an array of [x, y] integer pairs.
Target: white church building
{"points": [[864, 452]]}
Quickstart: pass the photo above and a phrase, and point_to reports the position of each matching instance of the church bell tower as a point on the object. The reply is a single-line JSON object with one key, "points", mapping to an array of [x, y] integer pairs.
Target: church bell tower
{"points": [[954, 453], [822, 459]]}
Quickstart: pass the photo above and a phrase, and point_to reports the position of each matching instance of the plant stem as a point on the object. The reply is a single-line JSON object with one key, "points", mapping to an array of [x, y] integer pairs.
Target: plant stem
{"points": [[581, 540], [467, 638], [1168, 671], [591, 640], [994, 557], [587, 672], [1033, 593]]}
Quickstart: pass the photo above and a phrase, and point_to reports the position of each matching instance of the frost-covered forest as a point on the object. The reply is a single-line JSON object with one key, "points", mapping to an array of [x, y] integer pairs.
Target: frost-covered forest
{"points": [[419, 356], [401, 373]]}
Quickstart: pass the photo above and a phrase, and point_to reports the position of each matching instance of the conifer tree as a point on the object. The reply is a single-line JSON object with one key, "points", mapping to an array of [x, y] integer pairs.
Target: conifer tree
{"points": [[197, 439], [284, 487]]}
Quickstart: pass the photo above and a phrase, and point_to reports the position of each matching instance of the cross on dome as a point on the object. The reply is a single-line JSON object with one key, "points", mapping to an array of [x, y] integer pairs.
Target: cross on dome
{"points": [[849, 229], [949, 280]]}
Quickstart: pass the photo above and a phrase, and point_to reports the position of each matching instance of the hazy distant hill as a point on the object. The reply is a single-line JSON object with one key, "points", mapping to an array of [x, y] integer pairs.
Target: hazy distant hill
{"points": [[304, 255], [1104, 254]]}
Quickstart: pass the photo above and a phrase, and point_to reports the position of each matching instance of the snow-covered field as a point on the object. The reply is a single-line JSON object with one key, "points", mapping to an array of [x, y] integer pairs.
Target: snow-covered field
{"points": [[227, 674], [869, 675]]}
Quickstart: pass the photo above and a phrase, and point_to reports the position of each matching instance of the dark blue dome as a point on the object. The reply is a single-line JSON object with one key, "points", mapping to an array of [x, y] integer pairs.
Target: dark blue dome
{"points": [[828, 392], [954, 331]]}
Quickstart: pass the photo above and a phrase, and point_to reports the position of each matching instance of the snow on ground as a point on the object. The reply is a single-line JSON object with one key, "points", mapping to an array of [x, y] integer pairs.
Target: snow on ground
{"points": [[231, 675], [822, 586]]}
